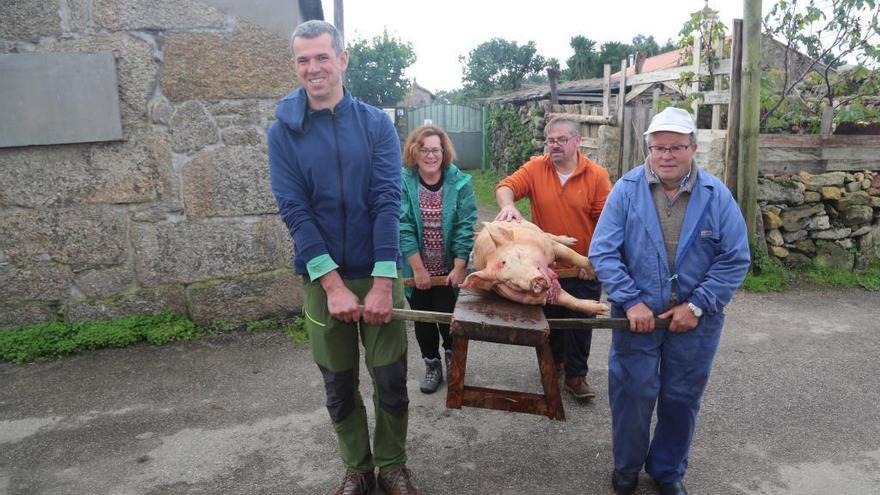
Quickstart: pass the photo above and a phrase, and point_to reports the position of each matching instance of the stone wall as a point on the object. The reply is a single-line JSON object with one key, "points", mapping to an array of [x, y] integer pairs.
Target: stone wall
{"points": [[176, 216], [832, 217]]}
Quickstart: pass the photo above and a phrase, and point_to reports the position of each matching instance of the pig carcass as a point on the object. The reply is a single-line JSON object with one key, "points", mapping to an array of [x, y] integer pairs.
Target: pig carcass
{"points": [[516, 259]]}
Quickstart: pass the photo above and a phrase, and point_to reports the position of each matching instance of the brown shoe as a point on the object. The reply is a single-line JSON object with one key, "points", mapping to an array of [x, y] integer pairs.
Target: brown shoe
{"points": [[356, 483], [398, 481], [579, 388]]}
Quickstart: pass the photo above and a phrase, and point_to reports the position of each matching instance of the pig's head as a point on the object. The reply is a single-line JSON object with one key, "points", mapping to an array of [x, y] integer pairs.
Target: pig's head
{"points": [[516, 270]]}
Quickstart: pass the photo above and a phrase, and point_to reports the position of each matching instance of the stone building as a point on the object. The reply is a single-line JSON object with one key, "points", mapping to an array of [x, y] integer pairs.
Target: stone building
{"points": [[417, 96], [177, 214]]}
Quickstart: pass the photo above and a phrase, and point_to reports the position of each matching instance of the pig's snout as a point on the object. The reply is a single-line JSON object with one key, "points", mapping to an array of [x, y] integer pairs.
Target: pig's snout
{"points": [[539, 284]]}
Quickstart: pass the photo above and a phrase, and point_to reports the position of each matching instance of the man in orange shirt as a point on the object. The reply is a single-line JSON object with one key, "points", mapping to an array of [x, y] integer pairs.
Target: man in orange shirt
{"points": [[567, 191]]}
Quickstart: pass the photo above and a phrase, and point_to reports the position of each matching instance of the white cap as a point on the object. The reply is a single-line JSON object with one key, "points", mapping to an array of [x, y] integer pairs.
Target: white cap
{"points": [[672, 120]]}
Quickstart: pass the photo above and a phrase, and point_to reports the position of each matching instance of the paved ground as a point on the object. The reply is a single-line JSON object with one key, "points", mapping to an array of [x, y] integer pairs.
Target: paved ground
{"points": [[792, 409]]}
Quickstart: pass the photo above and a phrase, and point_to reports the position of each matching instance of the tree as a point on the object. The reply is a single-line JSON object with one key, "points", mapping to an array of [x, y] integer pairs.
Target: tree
{"points": [[584, 63], [499, 65], [669, 46], [835, 32], [612, 52], [641, 43], [375, 69], [456, 96]]}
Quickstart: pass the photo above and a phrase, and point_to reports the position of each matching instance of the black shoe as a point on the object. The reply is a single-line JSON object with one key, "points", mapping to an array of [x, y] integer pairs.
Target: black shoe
{"points": [[671, 488], [624, 483]]}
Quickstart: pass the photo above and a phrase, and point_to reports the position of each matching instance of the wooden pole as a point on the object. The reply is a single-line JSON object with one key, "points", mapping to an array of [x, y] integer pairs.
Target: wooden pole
{"points": [[695, 86], [554, 323], [606, 91], [621, 104], [552, 75], [732, 163], [339, 18], [747, 184], [716, 109], [484, 163], [827, 119], [621, 94]]}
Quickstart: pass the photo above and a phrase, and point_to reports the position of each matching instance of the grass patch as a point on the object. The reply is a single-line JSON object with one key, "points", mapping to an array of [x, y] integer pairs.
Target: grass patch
{"points": [[296, 331], [269, 325], [825, 275], [55, 339], [484, 182], [766, 275]]}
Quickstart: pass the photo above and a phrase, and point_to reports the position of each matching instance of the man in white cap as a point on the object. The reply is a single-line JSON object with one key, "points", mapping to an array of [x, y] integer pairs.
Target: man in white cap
{"points": [[671, 243]]}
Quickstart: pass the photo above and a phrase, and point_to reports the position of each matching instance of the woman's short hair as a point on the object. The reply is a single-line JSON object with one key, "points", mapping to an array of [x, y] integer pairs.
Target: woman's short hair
{"points": [[416, 139]]}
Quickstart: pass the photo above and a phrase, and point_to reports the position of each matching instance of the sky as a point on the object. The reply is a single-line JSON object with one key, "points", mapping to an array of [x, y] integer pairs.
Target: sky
{"points": [[442, 31]]}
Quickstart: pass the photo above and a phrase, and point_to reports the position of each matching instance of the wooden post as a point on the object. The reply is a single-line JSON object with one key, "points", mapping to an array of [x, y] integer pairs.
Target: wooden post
{"points": [[639, 62], [732, 163], [621, 103], [484, 164], [695, 86], [552, 75], [339, 18], [747, 184], [606, 91], [827, 119], [716, 109]]}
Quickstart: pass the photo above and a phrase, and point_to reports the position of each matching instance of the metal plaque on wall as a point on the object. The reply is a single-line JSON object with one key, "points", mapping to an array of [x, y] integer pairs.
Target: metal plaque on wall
{"points": [[56, 98]]}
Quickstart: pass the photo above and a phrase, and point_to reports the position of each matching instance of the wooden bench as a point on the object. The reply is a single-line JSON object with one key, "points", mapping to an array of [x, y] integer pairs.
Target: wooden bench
{"points": [[487, 317]]}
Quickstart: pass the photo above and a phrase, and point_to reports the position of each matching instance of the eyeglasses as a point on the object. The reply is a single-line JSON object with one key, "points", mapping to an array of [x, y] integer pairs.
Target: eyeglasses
{"points": [[659, 150], [560, 141], [431, 151]]}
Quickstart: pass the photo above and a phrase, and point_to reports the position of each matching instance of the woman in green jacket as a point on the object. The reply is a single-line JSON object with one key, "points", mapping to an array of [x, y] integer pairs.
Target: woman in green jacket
{"points": [[438, 211]]}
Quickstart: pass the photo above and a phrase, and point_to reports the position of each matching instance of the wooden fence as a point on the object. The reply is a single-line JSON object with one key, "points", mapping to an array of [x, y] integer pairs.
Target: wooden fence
{"points": [[787, 154], [628, 103]]}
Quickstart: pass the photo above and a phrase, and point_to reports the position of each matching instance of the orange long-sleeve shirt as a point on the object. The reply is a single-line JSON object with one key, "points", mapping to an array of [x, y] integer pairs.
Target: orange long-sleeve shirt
{"points": [[572, 209]]}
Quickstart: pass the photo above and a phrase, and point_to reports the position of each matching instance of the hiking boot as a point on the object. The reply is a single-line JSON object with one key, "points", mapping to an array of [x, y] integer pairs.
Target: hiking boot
{"points": [[398, 481], [356, 483], [433, 376], [448, 358], [579, 388]]}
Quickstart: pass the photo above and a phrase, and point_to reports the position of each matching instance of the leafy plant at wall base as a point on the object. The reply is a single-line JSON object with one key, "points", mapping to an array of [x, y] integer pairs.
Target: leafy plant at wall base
{"points": [[823, 274], [766, 274], [37, 341], [261, 325], [54, 339], [296, 331]]}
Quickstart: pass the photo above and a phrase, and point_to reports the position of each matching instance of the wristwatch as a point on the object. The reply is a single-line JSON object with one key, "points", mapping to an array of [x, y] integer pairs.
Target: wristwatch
{"points": [[695, 309]]}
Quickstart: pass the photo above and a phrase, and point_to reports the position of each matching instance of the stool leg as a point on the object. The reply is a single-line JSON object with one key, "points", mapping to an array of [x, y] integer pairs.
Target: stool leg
{"points": [[455, 380], [550, 381]]}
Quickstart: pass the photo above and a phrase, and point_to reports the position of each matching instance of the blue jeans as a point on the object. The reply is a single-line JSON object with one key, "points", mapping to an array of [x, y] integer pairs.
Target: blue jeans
{"points": [[573, 346]]}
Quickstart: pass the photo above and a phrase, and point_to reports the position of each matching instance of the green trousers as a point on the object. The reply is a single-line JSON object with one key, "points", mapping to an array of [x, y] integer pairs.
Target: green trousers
{"points": [[337, 353]]}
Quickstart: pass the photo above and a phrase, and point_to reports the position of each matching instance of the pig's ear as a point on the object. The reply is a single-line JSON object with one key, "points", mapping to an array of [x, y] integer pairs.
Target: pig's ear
{"points": [[500, 235], [479, 280]]}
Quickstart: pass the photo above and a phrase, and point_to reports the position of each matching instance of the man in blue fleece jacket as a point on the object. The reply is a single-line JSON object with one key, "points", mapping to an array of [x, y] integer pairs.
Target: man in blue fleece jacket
{"points": [[334, 165]]}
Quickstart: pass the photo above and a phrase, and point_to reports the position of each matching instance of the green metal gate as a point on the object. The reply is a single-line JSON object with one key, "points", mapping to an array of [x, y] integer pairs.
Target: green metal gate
{"points": [[463, 124]]}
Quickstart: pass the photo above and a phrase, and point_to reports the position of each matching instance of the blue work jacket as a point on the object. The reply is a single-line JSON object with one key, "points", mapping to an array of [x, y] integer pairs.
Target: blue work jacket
{"points": [[630, 257]]}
